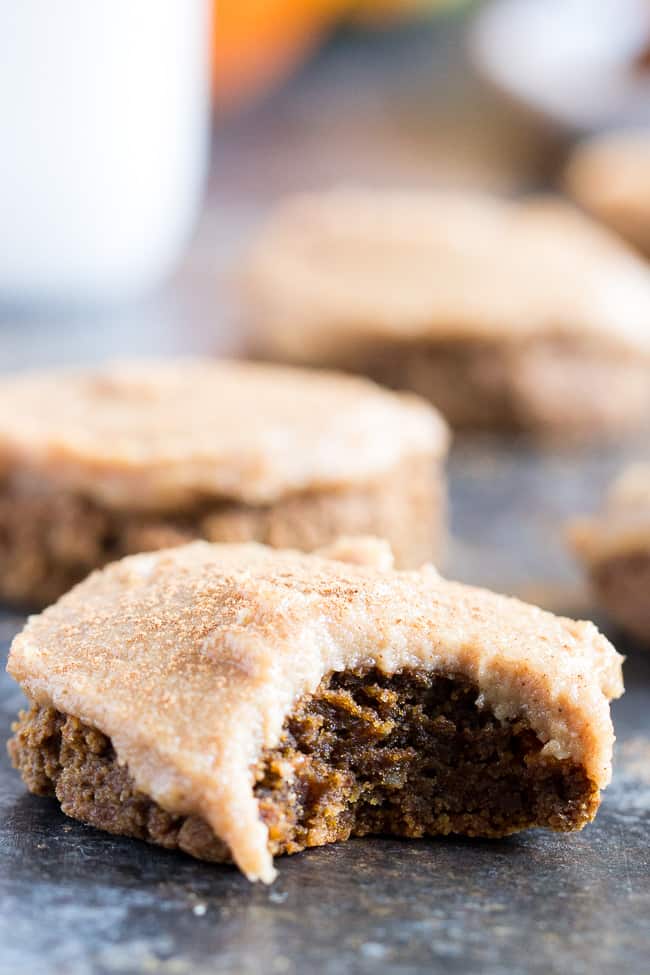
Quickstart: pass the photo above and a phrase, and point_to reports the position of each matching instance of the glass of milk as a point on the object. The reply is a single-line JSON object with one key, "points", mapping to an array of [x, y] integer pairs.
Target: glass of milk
{"points": [[104, 122]]}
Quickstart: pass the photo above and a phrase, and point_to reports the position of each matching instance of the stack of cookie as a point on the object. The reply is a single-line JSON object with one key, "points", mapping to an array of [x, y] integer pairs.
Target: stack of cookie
{"points": [[249, 650]]}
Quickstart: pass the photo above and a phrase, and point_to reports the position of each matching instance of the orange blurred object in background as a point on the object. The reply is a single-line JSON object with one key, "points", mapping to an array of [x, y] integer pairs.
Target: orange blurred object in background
{"points": [[258, 42]]}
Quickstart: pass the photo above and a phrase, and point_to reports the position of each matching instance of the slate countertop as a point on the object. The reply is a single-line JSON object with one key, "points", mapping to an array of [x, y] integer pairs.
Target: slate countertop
{"points": [[79, 902]]}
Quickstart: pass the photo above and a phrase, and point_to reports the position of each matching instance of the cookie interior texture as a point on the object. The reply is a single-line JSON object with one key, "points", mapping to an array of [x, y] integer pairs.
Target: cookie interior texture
{"points": [[410, 755], [50, 540]]}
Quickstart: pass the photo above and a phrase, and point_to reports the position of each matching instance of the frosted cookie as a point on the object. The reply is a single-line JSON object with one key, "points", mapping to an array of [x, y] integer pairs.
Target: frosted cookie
{"points": [[512, 315], [614, 546], [608, 176], [242, 702], [99, 463]]}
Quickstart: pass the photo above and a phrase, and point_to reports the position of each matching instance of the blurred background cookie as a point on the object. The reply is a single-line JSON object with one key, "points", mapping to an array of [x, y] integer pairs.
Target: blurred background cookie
{"points": [[608, 176], [614, 547], [137, 457], [506, 315]]}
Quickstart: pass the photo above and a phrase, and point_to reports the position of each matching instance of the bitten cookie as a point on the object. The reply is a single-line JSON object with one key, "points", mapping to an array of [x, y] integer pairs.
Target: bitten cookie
{"points": [[510, 315], [238, 702], [99, 463], [614, 547], [608, 176]]}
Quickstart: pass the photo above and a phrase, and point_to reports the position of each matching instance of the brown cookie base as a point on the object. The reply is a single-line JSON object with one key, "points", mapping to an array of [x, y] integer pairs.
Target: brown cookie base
{"points": [[51, 540], [410, 755], [550, 387], [622, 584]]}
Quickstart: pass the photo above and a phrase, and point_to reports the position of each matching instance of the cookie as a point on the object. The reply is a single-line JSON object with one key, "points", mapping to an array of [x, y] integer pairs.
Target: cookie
{"points": [[608, 176], [506, 315], [614, 547], [238, 702], [99, 463]]}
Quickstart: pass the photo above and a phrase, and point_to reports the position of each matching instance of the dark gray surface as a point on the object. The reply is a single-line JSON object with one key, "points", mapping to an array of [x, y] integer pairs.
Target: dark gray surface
{"points": [[73, 900]]}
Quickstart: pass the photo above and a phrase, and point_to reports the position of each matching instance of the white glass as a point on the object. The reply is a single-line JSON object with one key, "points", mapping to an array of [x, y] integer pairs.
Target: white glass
{"points": [[104, 118]]}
